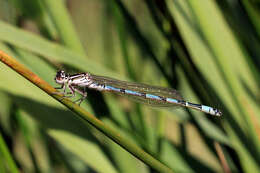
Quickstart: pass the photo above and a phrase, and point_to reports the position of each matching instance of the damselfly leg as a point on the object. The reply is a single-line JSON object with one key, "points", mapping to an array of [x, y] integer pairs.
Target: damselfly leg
{"points": [[72, 92], [82, 93]]}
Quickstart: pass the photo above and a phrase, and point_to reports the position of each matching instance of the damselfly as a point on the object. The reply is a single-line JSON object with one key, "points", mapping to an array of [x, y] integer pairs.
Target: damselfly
{"points": [[151, 95]]}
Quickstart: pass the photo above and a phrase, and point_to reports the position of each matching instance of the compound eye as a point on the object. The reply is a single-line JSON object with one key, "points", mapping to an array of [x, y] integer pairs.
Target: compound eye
{"points": [[61, 74]]}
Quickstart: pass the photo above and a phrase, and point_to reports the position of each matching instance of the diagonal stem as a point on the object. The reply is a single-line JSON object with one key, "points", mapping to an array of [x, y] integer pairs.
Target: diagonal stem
{"points": [[84, 115]]}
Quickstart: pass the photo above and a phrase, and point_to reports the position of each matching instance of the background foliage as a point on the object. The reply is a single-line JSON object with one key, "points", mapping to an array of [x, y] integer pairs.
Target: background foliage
{"points": [[208, 51]]}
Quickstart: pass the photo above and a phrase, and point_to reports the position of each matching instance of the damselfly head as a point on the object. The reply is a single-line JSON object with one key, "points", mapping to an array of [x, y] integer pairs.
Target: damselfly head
{"points": [[61, 77]]}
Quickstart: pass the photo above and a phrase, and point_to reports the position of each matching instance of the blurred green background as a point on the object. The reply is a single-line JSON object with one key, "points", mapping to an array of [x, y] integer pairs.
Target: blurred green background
{"points": [[207, 50]]}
